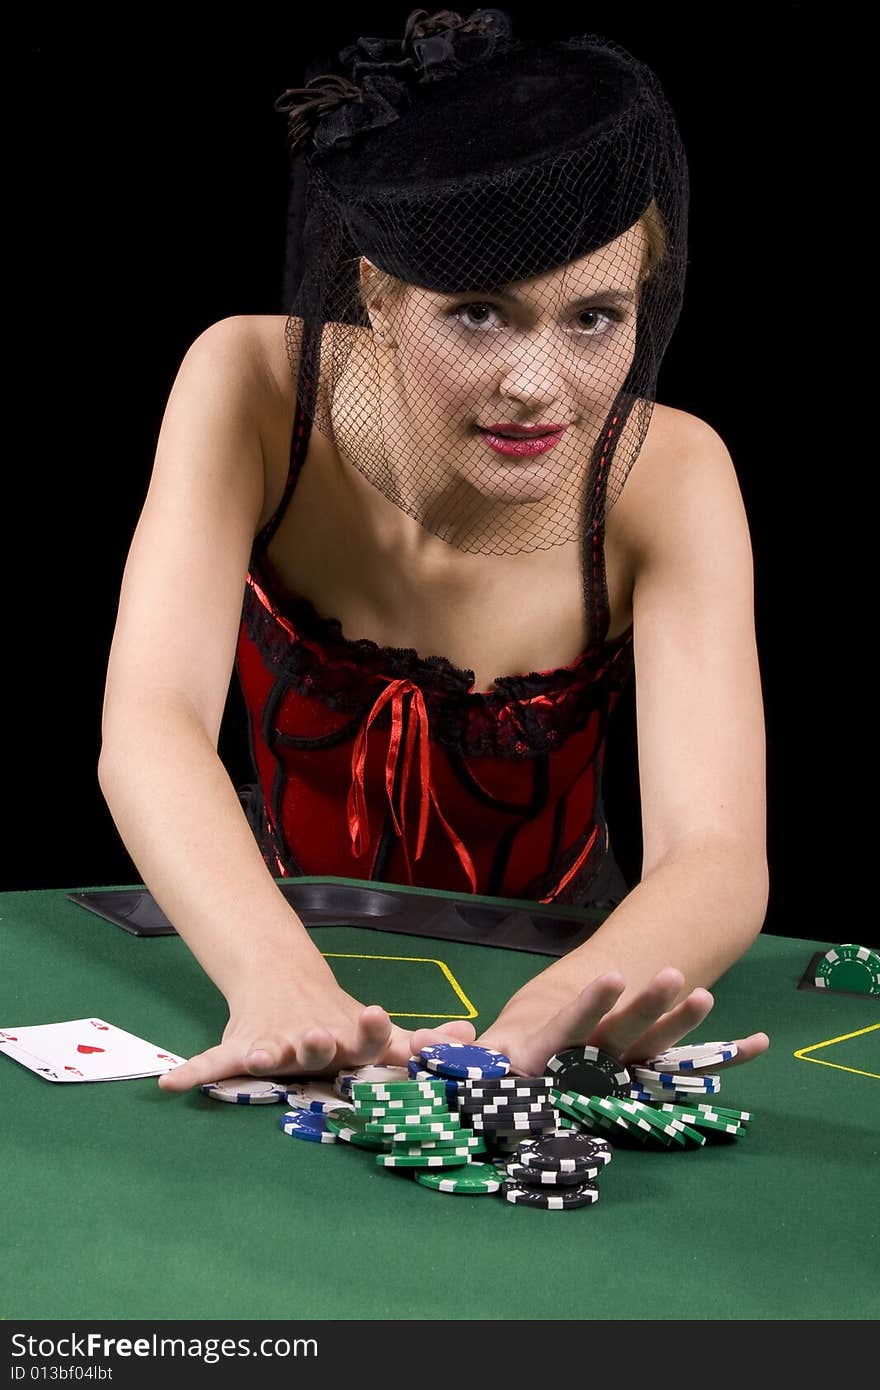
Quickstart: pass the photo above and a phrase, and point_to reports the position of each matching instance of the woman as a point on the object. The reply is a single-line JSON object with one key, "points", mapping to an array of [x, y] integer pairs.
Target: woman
{"points": [[493, 263]]}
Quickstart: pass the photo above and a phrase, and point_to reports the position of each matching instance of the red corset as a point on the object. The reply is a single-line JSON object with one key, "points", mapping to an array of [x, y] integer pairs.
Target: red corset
{"points": [[376, 763]]}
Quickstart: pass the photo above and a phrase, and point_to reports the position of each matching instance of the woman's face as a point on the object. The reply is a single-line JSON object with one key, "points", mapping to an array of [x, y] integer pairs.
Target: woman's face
{"points": [[552, 350]]}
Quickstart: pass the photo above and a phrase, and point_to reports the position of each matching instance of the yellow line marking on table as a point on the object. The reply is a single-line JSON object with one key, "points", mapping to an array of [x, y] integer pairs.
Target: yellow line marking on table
{"points": [[801, 1053], [418, 960]]}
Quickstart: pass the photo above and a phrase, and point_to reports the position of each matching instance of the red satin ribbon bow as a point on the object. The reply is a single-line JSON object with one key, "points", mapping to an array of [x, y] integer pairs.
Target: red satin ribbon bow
{"points": [[357, 805]]}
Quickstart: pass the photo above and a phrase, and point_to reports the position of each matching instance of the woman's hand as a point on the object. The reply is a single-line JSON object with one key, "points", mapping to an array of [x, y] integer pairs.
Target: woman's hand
{"points": [[531, 1028], [290, 1029]]}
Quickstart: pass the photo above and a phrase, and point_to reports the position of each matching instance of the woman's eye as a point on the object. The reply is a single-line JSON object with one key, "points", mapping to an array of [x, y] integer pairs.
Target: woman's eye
{"points": [[464, 314]]}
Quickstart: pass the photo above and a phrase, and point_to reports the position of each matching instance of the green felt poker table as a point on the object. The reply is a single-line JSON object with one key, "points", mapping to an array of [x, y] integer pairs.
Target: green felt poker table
{"points": [[192, 1209]]}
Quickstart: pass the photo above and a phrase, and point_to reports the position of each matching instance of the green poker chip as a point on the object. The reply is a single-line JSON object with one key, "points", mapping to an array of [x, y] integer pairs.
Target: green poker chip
{"points": [[715, 1124], [668, 1129], [348, 1125], [606, 1107], [373, 1092], [849, 967], [477, 1179], [450, 1150], [428, 1160], [388, 1109], [464, 1139], [741, 1117]]}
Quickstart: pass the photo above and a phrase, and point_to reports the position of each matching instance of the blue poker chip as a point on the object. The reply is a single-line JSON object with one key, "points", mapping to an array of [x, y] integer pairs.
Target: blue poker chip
{"points": [[246, 1090], [464, 1061], [419, 1073], [306, 1124]]}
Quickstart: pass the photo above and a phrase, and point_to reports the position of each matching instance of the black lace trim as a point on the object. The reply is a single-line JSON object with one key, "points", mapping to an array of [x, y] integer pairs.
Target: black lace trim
{"points": [[525, 715]]}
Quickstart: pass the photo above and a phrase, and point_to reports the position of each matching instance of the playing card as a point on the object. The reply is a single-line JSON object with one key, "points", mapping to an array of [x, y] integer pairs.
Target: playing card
{"points": [[27, 1059], [85, 1049]]}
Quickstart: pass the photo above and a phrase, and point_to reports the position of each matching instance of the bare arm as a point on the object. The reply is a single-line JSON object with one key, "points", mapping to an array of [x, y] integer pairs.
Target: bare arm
{"points": [[181, 821], [703, 893], [168, 677]]}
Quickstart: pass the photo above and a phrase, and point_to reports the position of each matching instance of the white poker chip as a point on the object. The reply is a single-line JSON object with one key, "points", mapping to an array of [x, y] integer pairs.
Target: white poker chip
{"points": [[345, 1077], [315, 1096], [246, 1090], [693, 1058]]}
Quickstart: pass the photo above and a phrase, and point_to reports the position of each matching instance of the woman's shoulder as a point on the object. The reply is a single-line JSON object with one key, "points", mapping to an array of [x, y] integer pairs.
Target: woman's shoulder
{"points": [[264, 338], [683, 458]]}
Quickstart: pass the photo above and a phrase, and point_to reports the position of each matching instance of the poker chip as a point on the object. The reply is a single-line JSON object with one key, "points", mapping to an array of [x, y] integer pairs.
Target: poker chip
{"points": [[667, 1129], [740, 1116], [246, 1090], [493, 1086], [527, 1176], [420, 1128], [348, 1125], [422, 1074], [374, 1091], [589, 1070], [536, 1122], [312, 1095], [391, 1108], [463, 1151], [477, 1179], [568, 1110], [849, 967], [682, 1059], [657, 1095], [445, 1137], [689, 1081], [709, 1120], [613, 1108], [346, 1078], [528, 1106], [306, 1124], [571, 1154], [464, 1060], [562, 1199], [421, 1160]]}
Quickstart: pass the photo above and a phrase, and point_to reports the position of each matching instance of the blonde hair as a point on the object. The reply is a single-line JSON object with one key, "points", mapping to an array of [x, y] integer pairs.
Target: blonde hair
{"points": [[378, 284]]}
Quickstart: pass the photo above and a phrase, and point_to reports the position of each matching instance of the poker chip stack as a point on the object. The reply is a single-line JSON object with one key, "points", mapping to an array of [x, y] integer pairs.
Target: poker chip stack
{"points": [[557, 1173], [503, 1109], [658, 1104], [538, 1160], [455, 1120]]}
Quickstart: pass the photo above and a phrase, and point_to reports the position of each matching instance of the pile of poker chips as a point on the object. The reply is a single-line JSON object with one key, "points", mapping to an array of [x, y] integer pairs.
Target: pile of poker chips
{"points": [[455, 1120], [658, 1104]]}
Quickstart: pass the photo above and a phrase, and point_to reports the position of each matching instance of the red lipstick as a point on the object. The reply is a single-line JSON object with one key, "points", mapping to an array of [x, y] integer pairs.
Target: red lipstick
{"points": [[520, 442]]}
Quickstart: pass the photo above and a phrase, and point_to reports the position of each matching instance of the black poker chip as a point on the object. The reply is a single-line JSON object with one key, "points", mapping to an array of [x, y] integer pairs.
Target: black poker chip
{"points": [[589, 1071], [555, 1199], [532, 1121], [569, 1153], [505, 1085], [549, 1177], [513, 1107]]}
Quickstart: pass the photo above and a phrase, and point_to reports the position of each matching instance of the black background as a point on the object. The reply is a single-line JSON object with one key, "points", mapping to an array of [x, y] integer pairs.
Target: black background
{"points": [[150, 175]]}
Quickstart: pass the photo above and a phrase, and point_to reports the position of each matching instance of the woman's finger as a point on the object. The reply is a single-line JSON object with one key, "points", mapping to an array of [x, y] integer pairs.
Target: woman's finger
{"points": [[231, 1058], [570, 1024], [373, 1032], [625, 1025], [746, 1050], [457, 1030], [670, 1028]]}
